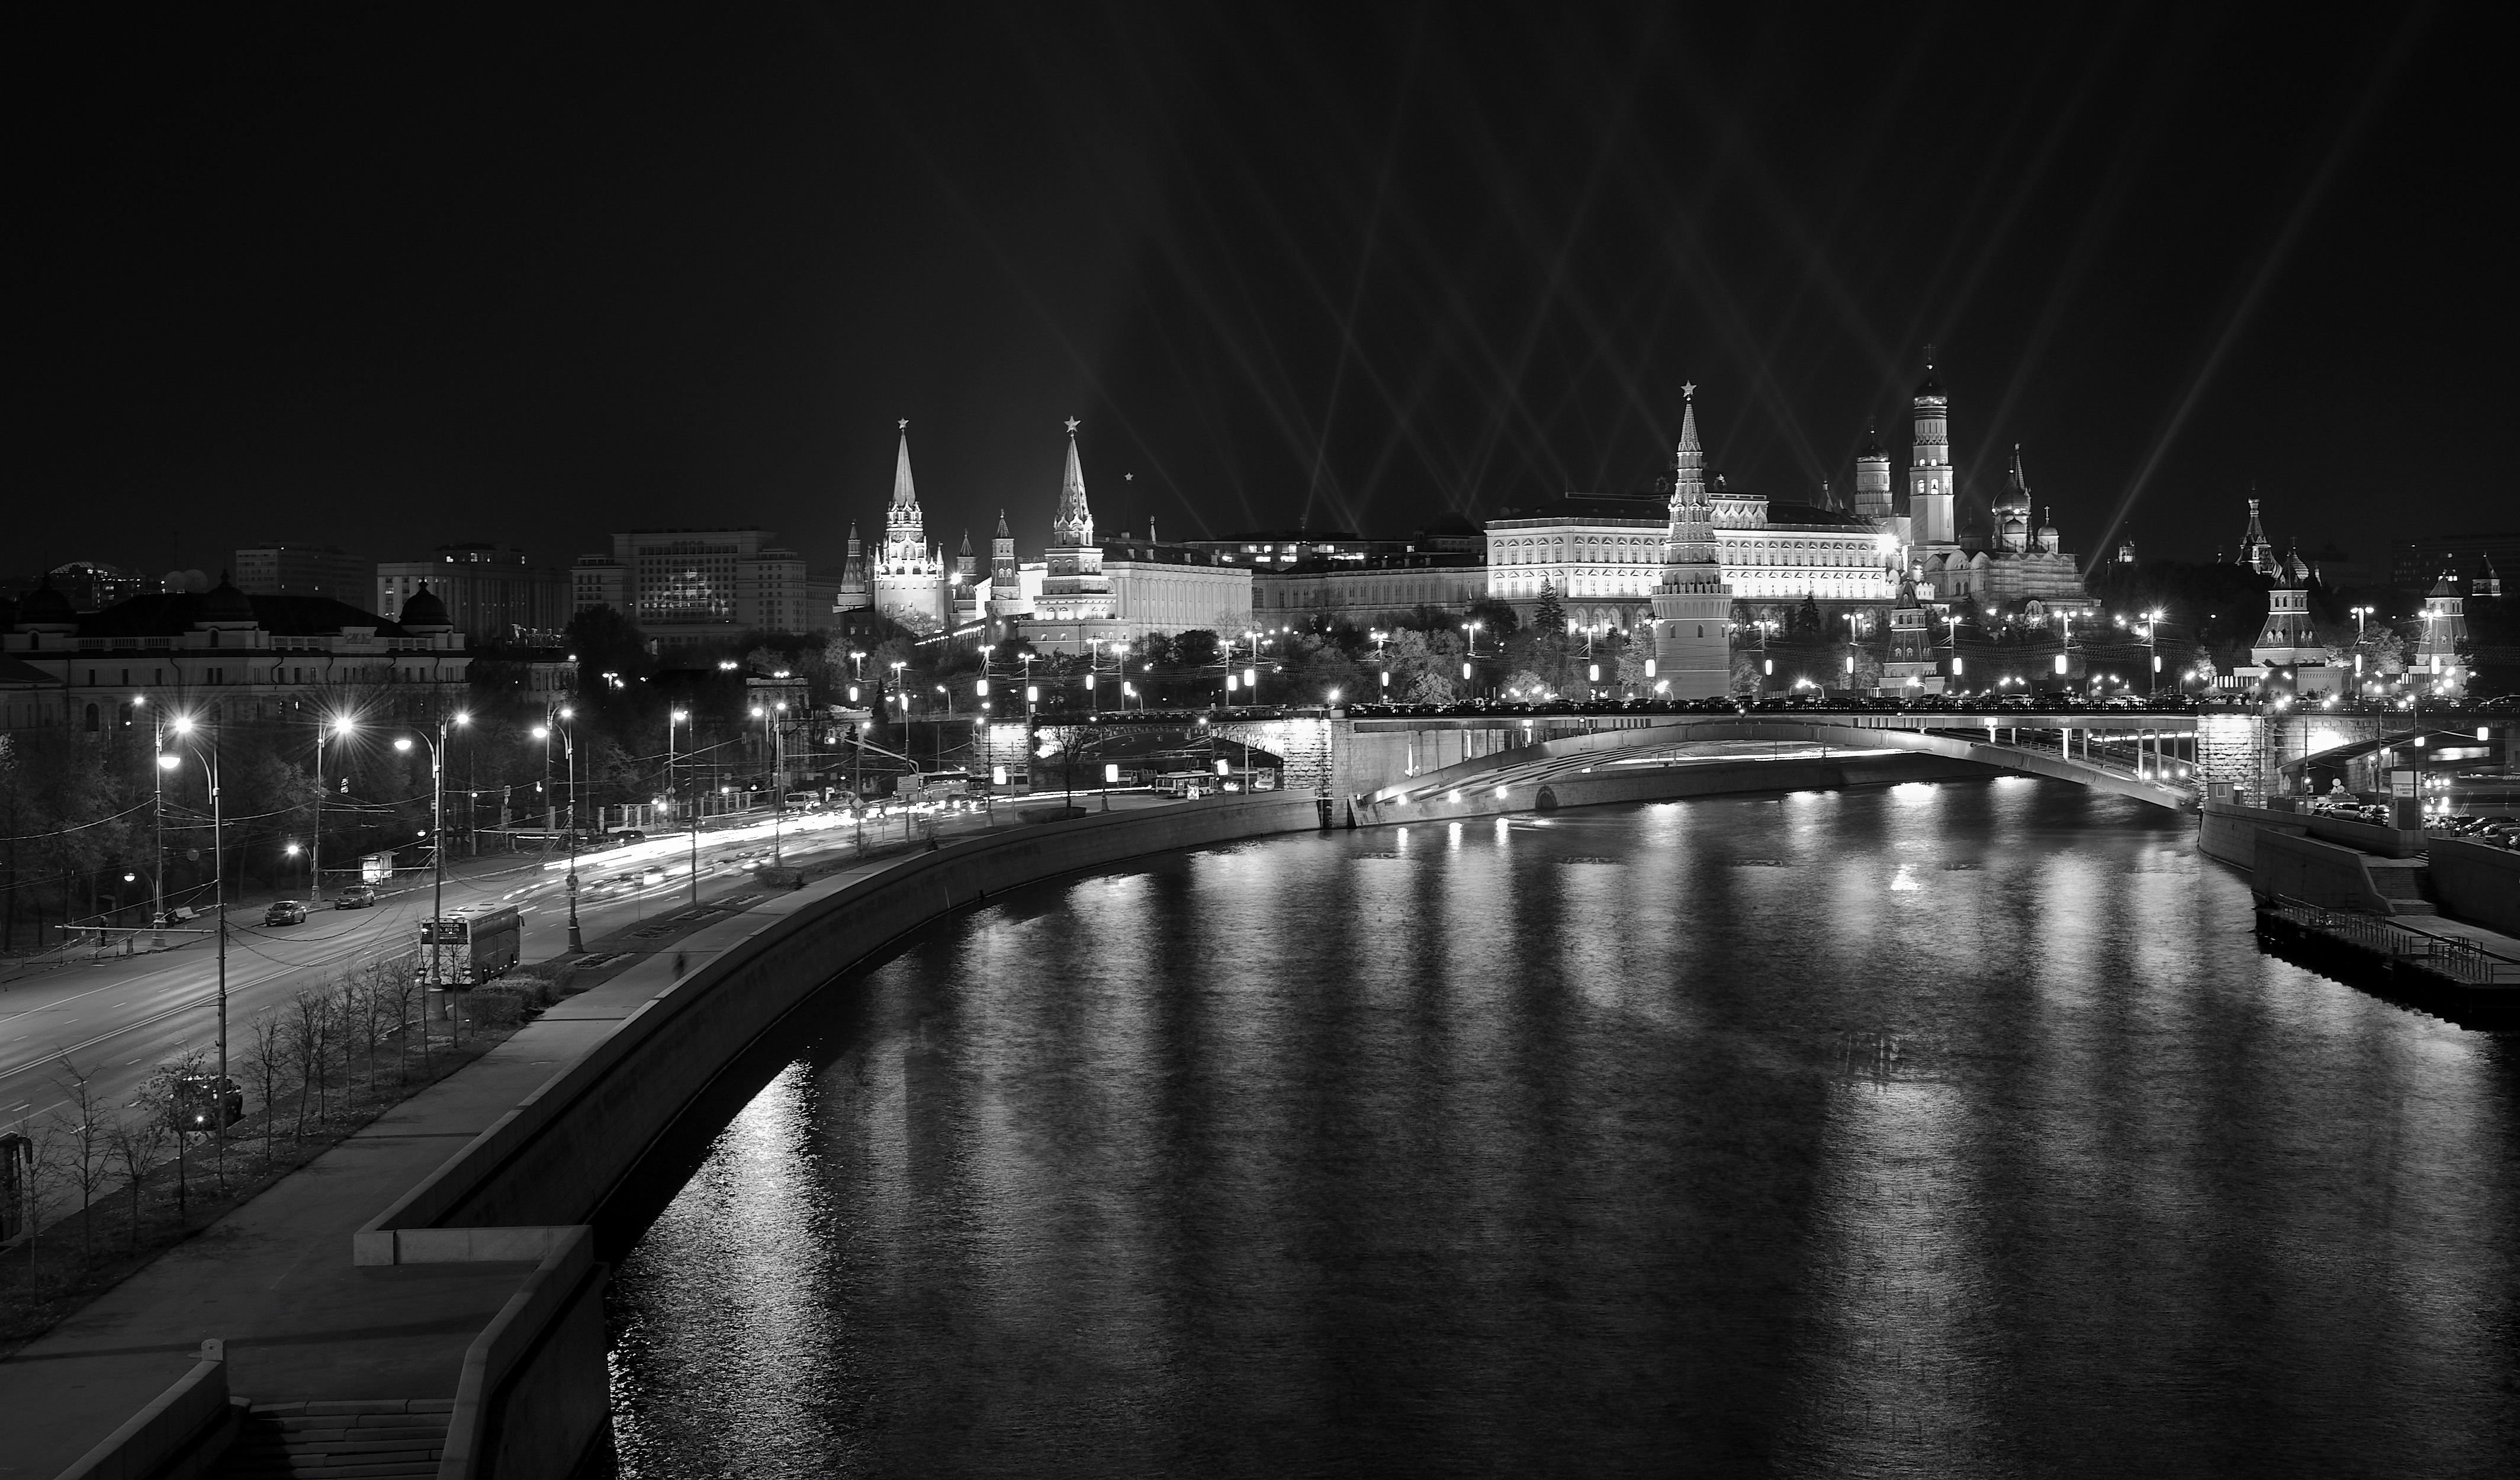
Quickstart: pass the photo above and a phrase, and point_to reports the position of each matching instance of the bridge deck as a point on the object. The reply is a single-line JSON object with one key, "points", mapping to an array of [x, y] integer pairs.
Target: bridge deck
{"points": [[1685, 743]]}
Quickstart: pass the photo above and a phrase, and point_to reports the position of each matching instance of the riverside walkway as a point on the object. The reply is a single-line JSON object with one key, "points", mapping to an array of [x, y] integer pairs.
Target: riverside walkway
{"points": [[274, 1278]]}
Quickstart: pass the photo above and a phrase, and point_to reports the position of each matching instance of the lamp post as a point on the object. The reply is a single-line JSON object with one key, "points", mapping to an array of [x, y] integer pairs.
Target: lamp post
{"points": [[339, 725], [219, 854], [436, 936], [684, 717], [158, 831], [569, 747]]}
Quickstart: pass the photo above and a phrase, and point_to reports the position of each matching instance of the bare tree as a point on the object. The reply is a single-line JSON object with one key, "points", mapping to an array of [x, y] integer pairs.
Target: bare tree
{"points": [[25, 1161], [395, 986], [360, 993], [309, 1034], [172, 1094], [137, 1142], [266, 1058], [82, 1139]]}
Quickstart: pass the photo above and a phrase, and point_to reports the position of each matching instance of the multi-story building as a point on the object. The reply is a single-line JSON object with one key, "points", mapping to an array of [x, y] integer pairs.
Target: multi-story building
{"points": [[231, 658], [685, 587], [274, 568], [1368, 589], [88, 585], [497, 597]]}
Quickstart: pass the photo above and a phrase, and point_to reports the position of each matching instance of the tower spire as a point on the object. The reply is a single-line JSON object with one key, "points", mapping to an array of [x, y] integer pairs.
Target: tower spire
{"points": [[1692, 606], [1075, 515], [904, 495]]}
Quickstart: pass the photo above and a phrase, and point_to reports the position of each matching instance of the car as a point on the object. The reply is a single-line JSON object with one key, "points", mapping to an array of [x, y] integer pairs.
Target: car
{"points": [[355, 897], [206, 1103], [284, 912]]}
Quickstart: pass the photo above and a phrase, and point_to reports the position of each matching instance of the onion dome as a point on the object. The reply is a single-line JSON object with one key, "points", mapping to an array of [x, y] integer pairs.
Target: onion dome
{"points": [[1873, 443], [45, 604], [423, 610], [2047, 527]]}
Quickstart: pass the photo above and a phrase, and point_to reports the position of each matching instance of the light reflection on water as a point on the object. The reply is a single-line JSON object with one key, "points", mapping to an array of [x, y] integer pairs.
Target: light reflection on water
{"points": [[1673, 1137]]}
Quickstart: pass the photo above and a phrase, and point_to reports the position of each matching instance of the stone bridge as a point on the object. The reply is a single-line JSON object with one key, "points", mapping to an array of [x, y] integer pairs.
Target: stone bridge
{"points": [[1545, 761], [2165, 758]]}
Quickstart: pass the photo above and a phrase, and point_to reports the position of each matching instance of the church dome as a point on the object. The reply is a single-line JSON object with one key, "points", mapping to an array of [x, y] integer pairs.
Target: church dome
{"points": [[423, 610], [1932, 384], [224, 602], [45, 604]]}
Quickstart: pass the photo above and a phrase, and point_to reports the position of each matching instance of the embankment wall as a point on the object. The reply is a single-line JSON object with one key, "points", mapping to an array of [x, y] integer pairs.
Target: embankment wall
{"points": [[2477, 883]]}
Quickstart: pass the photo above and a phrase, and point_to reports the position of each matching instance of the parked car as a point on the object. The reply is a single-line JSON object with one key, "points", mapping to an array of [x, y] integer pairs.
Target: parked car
{"points": [[284, 912], [206, 1103], [355, 897]]}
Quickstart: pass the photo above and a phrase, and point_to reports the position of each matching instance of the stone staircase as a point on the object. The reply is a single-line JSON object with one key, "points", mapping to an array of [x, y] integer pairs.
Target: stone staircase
{"points": [[2403, 883], [375, 1437]]}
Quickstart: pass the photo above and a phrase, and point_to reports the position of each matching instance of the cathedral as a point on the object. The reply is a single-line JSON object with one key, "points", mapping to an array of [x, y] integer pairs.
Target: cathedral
{"points": [[2006, 564]]}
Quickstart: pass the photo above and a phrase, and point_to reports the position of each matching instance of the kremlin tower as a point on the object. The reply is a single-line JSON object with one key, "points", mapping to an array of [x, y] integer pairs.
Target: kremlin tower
{"points": [[1692, 607]]}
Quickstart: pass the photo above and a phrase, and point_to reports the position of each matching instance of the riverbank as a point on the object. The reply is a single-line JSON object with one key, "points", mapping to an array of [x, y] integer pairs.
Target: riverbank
{"points": [[543, 1126]]}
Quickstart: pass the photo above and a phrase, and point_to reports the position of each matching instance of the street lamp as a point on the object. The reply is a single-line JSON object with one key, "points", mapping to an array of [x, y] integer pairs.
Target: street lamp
{"points": [[219, 852], [437, 848], [569, 747], [339, 725]]}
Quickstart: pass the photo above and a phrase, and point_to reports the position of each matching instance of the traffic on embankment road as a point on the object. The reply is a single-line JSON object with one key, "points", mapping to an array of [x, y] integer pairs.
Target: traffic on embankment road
{"points": [[116, 1018], [274, 1279]]}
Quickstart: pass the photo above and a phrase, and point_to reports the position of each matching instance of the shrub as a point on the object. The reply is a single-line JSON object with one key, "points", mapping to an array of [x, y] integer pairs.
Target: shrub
{"points": [[494, 1006]]}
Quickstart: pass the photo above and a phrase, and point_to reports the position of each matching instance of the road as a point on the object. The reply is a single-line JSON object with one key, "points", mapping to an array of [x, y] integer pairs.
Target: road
{"points": [[118, 1019]]}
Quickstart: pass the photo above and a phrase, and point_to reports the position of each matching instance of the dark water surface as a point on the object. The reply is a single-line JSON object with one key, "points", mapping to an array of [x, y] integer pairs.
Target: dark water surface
{"points": [[1953, 1130]]}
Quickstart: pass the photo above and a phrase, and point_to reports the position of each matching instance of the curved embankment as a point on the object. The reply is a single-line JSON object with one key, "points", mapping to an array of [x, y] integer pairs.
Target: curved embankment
{"points": [[552, 1159]]}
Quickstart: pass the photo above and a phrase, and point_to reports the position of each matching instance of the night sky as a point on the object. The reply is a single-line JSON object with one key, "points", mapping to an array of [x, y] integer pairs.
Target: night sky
{"points": [[393, 278]]}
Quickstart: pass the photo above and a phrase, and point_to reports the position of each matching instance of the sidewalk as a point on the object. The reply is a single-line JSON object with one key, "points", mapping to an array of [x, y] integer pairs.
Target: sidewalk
{"points": [[274, 1278]]}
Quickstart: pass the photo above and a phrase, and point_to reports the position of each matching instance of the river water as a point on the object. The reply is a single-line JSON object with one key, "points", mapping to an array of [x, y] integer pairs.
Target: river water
{"points": [[1929, 1130]]}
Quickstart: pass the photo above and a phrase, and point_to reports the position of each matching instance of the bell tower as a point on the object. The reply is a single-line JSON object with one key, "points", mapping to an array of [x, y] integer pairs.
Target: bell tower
{"points": [[1932, 489]]}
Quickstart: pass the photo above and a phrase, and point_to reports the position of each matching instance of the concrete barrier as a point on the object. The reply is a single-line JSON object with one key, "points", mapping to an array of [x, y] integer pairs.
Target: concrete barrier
{"points": [[2315, 872], [532, 1399], [184, 1434], [2230, 831], [2477, 883], [552, 1160]]}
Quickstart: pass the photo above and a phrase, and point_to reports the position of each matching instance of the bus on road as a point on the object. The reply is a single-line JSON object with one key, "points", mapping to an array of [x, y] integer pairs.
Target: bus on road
{"points": [[467, 947]]}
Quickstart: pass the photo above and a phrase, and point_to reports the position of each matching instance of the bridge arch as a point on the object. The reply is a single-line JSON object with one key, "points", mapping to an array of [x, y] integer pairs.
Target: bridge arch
{"points": [[1636, 761]]}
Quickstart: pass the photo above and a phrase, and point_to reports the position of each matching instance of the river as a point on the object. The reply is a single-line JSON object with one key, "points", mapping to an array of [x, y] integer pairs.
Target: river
{"points": [[1926, 1130]]}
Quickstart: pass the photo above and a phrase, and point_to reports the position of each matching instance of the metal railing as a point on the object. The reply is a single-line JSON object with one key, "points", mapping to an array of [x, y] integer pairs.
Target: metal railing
{"points": [[2460, 961]]}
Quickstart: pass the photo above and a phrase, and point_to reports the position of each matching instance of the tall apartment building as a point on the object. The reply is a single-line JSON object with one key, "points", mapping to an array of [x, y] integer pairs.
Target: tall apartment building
{"points": [[496, 596], [690, 586], [280, 570]]}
